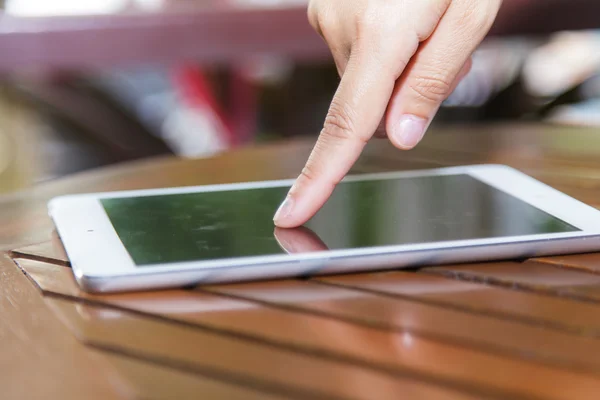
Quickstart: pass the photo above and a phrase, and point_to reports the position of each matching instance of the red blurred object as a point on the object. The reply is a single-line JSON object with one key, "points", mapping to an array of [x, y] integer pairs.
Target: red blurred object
{"points": [[238, 125], [191, 83]]}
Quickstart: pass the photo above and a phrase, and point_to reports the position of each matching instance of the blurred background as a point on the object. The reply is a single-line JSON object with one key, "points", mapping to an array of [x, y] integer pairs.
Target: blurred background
{"points": [[91, 83]]}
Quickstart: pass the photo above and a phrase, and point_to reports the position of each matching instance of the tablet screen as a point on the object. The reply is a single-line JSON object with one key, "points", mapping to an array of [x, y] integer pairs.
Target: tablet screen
{"points": [[239, 223]]}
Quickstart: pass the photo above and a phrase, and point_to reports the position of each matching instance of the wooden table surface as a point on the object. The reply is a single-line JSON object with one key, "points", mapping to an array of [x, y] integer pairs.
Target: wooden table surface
{"points": [[504, 330], [49, 35]]}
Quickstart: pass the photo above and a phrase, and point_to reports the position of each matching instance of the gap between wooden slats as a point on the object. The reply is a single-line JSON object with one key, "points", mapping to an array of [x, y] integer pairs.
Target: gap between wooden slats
{"points": [[575, 284], [530, 308], [582, 262], [145, 380], [574, 327], [308, 334], [51, 251], [439, 323], [448, 333], [38, 354], [240, 362], [372, 346], [426, 320]]}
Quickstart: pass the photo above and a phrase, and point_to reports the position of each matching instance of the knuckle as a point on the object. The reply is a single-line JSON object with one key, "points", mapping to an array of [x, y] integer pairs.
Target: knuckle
{"points": [[430, 14], [339, 122], [479, 15], [375, 23], [314, 18], [434, 89], [313, 172], [307, 175], [366, 21], [308, 172], [328, 25]]}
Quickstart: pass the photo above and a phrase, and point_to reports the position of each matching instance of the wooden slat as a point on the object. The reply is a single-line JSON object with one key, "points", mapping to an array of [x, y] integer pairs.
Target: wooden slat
{"points": [[583, 262], [39, 359], [41, 251], [51, 252], [433, 326], [575, 145], [531, 308], [425, 320], [311, 333], [149, 381], [251, 365], [530, 276]]}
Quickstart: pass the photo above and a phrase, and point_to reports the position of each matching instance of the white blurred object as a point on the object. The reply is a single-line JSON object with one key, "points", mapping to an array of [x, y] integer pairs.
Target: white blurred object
{"points": [[270, 70], [567, 60], [193, 132], [268, 3], [37, 8], [190, 131], [496, 63], [583, 114]]}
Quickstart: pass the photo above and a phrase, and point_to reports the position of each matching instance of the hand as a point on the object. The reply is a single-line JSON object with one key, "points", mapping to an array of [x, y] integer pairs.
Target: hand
{"points": [[398, 59]]}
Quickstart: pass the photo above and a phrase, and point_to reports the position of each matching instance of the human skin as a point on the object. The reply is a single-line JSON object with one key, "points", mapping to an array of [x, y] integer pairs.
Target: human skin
{"points": [[398, 61]]}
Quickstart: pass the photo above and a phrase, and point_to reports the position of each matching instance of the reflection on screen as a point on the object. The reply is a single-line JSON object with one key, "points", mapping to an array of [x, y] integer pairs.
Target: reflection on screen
{"points": [[202, 226]]}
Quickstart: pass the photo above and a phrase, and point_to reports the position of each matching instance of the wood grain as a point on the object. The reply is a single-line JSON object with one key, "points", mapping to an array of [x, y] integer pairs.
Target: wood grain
{"points": [[534, 277], [144, 380], [251, 365], [51, 252], [502, 330], [393, 351], [531, 308], [583, 262], [480, 332], [39, 359]]}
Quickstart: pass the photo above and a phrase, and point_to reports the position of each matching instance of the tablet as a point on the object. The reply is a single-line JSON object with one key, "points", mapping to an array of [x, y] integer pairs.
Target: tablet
{"points": [[163, 238]]}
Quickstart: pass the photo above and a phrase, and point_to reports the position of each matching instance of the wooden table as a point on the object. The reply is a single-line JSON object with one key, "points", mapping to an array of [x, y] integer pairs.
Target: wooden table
{"points": [[506, 330]]}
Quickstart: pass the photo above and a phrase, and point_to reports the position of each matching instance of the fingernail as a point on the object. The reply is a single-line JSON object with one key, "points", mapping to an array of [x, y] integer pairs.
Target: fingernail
{"points": [[285, 209], [410, 130]]}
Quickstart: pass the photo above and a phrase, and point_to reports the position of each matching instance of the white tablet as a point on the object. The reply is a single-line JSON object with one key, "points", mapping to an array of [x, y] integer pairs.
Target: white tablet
{"points": [[175, 237]]}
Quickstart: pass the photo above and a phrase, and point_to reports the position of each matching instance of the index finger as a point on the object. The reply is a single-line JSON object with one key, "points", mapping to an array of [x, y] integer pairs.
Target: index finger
{"points": [[356, 110]]}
